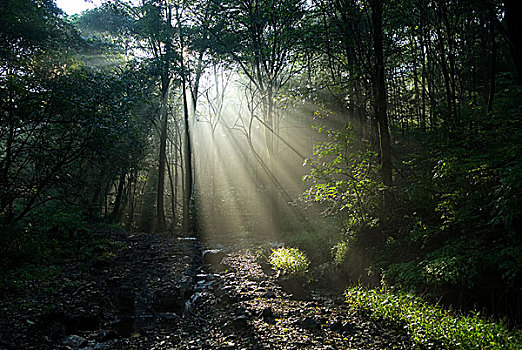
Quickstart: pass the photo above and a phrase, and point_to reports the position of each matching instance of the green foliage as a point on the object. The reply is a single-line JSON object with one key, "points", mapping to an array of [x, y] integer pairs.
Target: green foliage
{"points": [[47, 232], [25, 274], [58, 219], [38, 254], [340, 252], [30, 23], [68, 128], [315, 244], [456, 265], [344, 177], [430, 326], [290, 261]]}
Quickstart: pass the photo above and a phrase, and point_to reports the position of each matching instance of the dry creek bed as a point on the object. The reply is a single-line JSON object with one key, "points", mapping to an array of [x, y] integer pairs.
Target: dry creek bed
{"points": [[166, 292]]}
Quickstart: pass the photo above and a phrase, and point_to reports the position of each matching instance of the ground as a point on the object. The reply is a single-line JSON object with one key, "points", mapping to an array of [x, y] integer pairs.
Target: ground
{"points": [[162, 291]]}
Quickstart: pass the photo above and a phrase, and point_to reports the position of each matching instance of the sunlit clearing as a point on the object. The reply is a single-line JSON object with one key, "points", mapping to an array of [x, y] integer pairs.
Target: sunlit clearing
{"points": [[237, 180]]}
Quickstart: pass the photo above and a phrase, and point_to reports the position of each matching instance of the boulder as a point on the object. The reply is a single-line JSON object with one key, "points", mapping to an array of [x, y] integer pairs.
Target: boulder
{"points": [[213, 257]]}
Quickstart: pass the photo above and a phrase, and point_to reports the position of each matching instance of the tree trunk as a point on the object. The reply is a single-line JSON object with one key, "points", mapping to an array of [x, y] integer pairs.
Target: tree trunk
{"points": [[160, 203], [172, 184], [117, 210], [380, 100], [492, 68], [514, 28], [269, 139], [187, 160]]}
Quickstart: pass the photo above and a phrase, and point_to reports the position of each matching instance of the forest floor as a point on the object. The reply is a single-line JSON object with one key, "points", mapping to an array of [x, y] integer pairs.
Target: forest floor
{"points": [[159, 291]]}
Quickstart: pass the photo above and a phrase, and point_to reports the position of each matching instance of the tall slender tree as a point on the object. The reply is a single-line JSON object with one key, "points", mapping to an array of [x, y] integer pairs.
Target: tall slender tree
{"points": [[381, 97]]}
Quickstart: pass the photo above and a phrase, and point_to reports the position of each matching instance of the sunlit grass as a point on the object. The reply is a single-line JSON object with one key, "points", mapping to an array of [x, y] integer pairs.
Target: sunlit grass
{"points": [[431, 326]]}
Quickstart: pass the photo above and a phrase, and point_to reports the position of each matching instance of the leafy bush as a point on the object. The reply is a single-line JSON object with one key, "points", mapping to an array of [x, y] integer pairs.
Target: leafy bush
{"points": [[344, 177], [340, 252], [290, 261], [430, 326]]}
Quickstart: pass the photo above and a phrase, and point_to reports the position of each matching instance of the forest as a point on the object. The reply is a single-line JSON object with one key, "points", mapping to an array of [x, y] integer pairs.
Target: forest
{"points": [[261, 174]]}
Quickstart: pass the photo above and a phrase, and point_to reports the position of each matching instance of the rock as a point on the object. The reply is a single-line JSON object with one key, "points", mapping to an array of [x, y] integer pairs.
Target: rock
{"points": [[241, 311], [267, 312], [169, 318], [82, 322], [267, 268], [268, 295], [268, 315], [170, 300], [213, 257], [294, 286], [125, 300], [74, 342], [239, 323], [230, 298], [218, 292], [222, 267], [308, 323], [204, 285], [124, 327], [341, 327], [105, 336]]}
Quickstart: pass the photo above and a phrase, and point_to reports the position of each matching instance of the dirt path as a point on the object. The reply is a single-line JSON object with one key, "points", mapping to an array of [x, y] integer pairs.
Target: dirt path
{"points": [[154, 293]]}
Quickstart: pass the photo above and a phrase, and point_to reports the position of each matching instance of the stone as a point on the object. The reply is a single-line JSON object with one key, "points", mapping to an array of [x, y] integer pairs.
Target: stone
{"points": [[240, 323], [124, 327], [267, 312], [74, 342], [341, 327], [267, 268], [170, 300], [125, 300], [268, 315], [308, 323], [105, 336], [82, 322], [218, 292], [268, 295], [213, 257], [241, 311], [294, 286]]}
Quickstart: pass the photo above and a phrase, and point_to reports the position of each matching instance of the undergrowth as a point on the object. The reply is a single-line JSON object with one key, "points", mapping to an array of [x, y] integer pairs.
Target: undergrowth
{"points": [[430, 326], [290, 261], [38, 255]]}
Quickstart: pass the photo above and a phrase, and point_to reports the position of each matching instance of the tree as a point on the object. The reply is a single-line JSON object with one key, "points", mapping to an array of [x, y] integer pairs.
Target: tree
{"points": [[61, 122], [262, 38], [380, 98], [514, 28]]}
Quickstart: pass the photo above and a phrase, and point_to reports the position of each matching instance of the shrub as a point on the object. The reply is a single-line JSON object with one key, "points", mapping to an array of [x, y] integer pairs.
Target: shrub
{"points": [[290, 261], [340, 252]]}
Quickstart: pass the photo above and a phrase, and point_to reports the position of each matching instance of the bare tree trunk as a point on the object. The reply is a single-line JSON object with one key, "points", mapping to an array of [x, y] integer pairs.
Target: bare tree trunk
{"points": [[187, 198], [493, 68], [117, 210], [160, 204], [380, 99], [274, 193], [514, 28], [172, 184]]}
